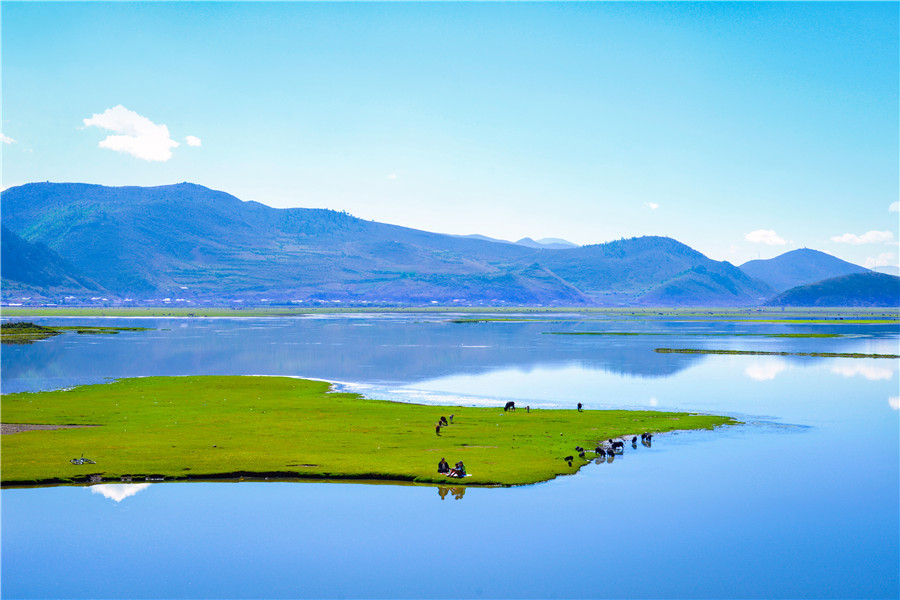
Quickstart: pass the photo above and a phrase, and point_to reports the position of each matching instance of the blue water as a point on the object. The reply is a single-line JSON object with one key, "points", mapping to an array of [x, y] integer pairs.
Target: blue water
{"points": [[802, 502]]}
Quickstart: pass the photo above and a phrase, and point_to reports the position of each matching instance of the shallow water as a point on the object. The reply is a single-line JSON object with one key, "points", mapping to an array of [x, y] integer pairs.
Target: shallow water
{"points": [[802, 502]]}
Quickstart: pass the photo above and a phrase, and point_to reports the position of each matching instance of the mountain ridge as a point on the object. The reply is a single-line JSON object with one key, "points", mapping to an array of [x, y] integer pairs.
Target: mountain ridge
{"points": [[868, 289], [202, 244], [799, 267]]}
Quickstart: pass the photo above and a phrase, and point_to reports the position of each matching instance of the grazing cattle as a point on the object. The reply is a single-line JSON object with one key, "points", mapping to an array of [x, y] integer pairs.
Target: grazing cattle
{"points": [[510, 406], [579, 449], [618, 447], [579, 406], [443, 421], [437, 428], [601, 453], [569, 460], [646, 439], [581, 454]]}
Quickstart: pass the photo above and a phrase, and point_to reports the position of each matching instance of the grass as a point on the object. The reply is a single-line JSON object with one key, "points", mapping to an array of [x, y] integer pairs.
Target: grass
{"points": [[218, 426], [838, 315], [689, 334], [763, 353], [25, 332]]}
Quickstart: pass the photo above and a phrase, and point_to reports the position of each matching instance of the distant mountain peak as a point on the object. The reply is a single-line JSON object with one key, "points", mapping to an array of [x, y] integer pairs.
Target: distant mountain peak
{"points": [[546, 243], [799, 267]]}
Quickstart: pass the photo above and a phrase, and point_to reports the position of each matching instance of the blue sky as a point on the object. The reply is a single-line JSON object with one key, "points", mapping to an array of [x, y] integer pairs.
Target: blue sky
{"points": [[743, 130]]}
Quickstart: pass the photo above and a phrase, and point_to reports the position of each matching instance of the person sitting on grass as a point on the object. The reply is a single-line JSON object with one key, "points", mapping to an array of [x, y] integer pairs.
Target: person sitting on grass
{"points": [[443, 466], [458, 471]]}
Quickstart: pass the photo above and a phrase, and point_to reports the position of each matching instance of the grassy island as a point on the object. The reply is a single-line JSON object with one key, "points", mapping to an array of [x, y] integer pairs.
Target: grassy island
{"points": [[26, 332], [211, 427]]}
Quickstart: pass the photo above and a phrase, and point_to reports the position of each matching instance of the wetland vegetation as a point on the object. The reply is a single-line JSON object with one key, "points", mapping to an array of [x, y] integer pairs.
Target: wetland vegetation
{"points": [[228, 426], [766, 353], [761, 315], [26, 332]]}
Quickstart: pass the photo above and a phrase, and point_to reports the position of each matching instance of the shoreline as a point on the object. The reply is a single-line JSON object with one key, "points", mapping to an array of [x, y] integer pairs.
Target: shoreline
{"points": [[190, 427], [92, 479]]}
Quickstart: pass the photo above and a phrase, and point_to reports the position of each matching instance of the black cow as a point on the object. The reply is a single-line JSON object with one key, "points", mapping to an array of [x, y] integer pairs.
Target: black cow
{"points": [[510, 406]]}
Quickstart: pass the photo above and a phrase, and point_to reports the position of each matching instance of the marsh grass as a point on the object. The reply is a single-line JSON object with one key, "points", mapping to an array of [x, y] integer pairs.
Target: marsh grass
{"points": [[688, 334], [765, 353], [837, 315], [26, 332], [211, 426]]}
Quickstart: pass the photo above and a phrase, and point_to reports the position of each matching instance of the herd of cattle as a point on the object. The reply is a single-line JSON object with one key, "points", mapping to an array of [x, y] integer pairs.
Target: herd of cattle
{"points": [[611, 447]]}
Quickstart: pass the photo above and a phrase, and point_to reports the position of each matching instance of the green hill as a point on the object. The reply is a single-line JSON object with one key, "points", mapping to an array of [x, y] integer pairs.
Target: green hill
{"points": [[799, 267], [858, 289], [189, 242]]}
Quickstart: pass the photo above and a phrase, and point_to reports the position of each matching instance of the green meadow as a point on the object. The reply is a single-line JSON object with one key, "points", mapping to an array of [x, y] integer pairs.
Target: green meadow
{"points": [[222, 426], [831, 316]]}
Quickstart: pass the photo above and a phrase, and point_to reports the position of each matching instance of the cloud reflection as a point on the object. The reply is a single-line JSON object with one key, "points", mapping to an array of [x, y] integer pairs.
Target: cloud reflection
{"points": [[765, 371], [870, 372], [118, 491]]}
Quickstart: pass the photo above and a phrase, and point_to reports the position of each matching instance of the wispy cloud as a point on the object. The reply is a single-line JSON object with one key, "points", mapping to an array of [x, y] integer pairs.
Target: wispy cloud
{"points": [[193, 140], [894, 207], [882, 260], [392, 176], [870, 237], [765, 236], [6, 139], [651, 205], [138, 136], [894, 402]]}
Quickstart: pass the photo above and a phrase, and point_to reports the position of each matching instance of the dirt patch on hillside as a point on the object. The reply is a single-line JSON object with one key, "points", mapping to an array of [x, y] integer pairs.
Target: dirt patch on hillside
{"points": [[6, 428]]}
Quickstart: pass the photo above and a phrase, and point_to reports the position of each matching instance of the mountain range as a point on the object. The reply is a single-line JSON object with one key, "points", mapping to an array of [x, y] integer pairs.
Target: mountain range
{"points": [[188, 242]]}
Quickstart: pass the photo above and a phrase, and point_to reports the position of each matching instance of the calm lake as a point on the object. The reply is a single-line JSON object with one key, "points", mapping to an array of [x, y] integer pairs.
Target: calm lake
{"points": [[801, 502]]}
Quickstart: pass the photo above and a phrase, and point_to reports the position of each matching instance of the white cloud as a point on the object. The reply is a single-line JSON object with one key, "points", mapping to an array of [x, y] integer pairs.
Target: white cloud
{"points": [[894, 402], [6, 139], [894, 207], [884, 259], [118, 491], [764, 236], [138, 136], [193, 140], [651, 205], [870, 237]]}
